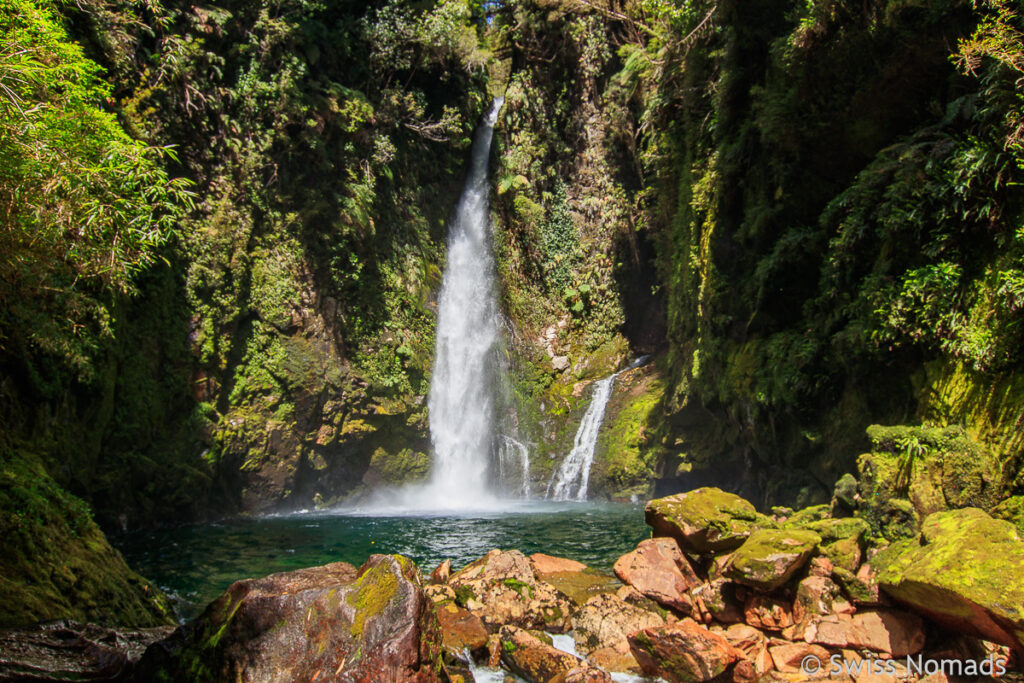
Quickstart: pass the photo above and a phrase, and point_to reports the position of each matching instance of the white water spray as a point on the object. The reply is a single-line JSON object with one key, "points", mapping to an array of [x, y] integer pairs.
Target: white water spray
{"points": [[515, 455], [573, 477], [461, 402]]}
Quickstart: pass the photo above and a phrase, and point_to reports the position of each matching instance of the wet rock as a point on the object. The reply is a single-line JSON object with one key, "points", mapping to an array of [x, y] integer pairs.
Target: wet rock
{"points": [[842, 540], [768, 613], [461, 629], [704, 520], [322, 623], [549, 564], [683, 652], [659, 570], [536, 661], [770, 557], [968, 575], [501, 588], [68, 651], [602, 626]]}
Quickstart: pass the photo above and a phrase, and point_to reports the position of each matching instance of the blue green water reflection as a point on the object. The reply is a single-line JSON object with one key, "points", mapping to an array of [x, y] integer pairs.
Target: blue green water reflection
{"points": [[196, 563]]}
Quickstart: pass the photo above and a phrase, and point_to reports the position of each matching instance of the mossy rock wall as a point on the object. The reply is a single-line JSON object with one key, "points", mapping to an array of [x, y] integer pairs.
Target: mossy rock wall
{"points": [[57, 564]]}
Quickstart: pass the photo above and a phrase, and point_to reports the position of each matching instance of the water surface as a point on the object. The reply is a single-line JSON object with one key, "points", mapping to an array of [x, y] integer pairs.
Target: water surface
{"points": [[196, 563]]}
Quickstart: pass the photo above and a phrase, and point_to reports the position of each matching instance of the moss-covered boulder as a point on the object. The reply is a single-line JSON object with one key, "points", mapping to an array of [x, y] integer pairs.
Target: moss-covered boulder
{"points": [[1011, 510], [912, 472], [967, 573], [705, 520], [374, 624], [842, 540], [57, 564], [770, 557]]}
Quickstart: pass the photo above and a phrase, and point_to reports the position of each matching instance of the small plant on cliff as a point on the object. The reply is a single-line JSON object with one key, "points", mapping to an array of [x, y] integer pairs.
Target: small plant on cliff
{"points": [[910, 449]]}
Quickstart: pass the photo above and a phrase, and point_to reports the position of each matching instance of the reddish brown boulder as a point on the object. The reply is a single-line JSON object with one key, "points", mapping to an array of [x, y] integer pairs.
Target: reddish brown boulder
{"points": [[891, 631], [753, 644], [526, 655], [790, 657], [768, 613], [815, 596], [501, 588], [549, 564], [461, 629], [601, 627], [325, 623], [442, 572], [659, 570], [683, 652], [722, 599]]}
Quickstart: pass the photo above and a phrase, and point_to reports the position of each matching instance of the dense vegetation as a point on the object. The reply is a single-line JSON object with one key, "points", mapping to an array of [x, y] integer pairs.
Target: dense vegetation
{"points": [[222, 233]]}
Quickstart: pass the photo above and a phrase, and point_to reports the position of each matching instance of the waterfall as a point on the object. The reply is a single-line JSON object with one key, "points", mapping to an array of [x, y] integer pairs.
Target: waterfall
{"points": [[462, 397], [575, 470], [515, 455]]}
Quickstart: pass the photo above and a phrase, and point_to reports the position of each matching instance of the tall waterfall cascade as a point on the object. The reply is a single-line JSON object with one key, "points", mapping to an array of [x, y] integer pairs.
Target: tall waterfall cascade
{"points": [[462, 389], [572, 478]]}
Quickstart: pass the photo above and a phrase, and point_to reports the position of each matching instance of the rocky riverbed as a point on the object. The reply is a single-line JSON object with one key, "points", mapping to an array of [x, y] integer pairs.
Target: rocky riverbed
{"points": [[720, 592]]}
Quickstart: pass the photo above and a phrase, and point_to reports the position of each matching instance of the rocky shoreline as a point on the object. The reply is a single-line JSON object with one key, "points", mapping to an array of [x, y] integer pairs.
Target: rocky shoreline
{"points": [[719, 593]]}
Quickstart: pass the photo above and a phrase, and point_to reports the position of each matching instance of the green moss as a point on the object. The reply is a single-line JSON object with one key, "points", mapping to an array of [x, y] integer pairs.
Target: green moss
{"points": [[401, 467], [804, 518], [524, 589], [706, 519], [1011, 510], [769, 557], [373, 592], [628, 448], [57, 564], [966, 561], [463, 594]]}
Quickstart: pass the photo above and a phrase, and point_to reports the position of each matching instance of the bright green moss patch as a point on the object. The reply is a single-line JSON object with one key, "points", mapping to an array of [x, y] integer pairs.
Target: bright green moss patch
{"points": [[373, 592], [769, 557], [967, 572]]}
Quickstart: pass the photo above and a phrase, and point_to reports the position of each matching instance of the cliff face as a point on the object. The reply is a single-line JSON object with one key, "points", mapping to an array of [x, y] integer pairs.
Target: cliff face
{"points": [[806, 212]]}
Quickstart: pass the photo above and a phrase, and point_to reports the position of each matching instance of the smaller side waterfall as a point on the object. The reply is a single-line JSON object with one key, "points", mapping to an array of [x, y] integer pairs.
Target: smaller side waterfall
{"points": [[571, 480], [515, 455]]}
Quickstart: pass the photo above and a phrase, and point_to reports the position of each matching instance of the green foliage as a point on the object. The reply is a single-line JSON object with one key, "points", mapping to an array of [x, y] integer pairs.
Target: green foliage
{"points": [[558, 241], [85, 207]]}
